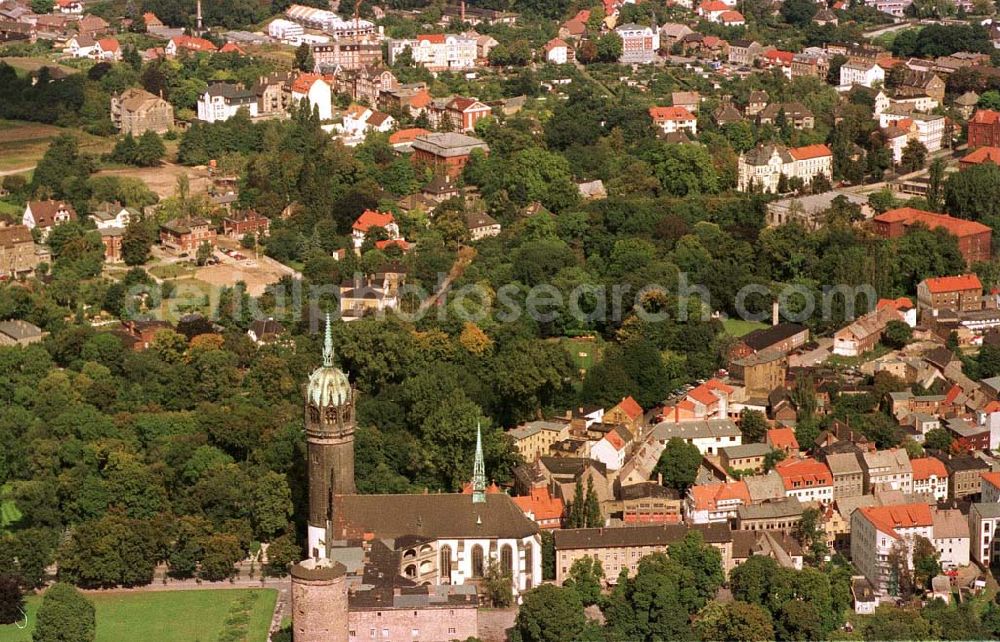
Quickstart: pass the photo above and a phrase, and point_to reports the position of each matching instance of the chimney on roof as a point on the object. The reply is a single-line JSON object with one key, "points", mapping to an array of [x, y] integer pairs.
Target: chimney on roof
{"points": [[775, 312]]}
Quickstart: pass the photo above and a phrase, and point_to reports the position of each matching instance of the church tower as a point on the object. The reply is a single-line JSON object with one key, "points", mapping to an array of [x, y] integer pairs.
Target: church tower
{"points": [[330, 422]]}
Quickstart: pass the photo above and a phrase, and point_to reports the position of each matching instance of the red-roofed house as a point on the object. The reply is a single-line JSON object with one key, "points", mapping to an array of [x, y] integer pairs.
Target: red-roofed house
{"points": [[711, 503], [188, 43], [782, 439], [930, 478], [960, 293], [47, 214], [876, 531], [317, 93], [710, 400], [370, 219], [628, 413], [70, 6], [674, 119], [151, 20], [576, 26], [980, 156], [232, 47], [610, 450], [984, 129], [806, 479], [465, 113], [712, 9], [732, 19], [541, 507], [558, 52], [973, 238], [990, 487], [108, 49], [406, 136], [902, 305]]}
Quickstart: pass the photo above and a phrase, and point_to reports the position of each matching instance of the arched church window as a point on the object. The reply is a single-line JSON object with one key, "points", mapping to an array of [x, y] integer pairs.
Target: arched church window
{"points": [[313, 414], [477, 561], [331, 414], [507, 560], [446, 564]]}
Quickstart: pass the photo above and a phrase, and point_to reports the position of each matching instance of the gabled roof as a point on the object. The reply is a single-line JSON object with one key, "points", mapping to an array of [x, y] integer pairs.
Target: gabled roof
{"points": [[555, 43], [986, 117], [941, 284], [900, 304], [631, 408], [369, 219], [44, 212], [991, 477], [888, 518], [810, 151], [433, 38], [803, 473], [709, 496], [731, 16], [782, 438], [304, 83], [108, 44], [661, 114], [926, 467], [406, 135], [232, 47], [540, 504], [909, 216], [713, 6], [764, 338], [982, 155]]}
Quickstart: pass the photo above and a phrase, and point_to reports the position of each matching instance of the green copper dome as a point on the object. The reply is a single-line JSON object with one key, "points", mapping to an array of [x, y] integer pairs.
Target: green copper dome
{"points": [[328, 385]]}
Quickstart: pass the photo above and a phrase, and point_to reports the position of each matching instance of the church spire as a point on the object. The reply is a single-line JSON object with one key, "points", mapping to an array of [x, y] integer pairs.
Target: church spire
{"points": [[328, 345], [479, 470]]}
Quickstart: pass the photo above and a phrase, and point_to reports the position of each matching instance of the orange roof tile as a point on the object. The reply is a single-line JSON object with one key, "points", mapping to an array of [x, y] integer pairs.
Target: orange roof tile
{"points": [[925, 467], [782, 438], [708, 496], [777, 55], [810, 151], [804, 473], [304, 83], [993, 406], [540, 504], [888, 518], [232, 47], [662, 114], [953, 394], [909, 216], [402, 243], [406, 135], [631, 408], [731, 16], [108, 44], [433, 38], [615, 440], [369, 219], [712, 6], [715, 384], [963, 282], [193, 43], [902, 303], [986, 117], [992, 477], [982, 155]]}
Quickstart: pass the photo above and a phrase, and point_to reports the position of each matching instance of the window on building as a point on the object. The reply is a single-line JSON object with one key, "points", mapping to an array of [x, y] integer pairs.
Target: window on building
{"points": [[477, 561], [507, 560], [446, 564]]}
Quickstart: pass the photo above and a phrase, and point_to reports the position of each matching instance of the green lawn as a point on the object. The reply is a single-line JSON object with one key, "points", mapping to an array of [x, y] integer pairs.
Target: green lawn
{"points": [[23, 144], [172, 616], [8, 509], [739, 327], [172, 270], [583, 352]]}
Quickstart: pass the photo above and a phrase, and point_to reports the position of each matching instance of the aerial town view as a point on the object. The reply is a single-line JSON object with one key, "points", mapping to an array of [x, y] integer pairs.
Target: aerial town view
{"points": [[499, 320]]}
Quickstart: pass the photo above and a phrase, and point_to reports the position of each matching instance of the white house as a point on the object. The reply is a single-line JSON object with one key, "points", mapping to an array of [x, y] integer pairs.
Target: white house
{"points": [[763, 166], [437, 52], [285, 31], [877, 530], [370, 219], [951, 538], [221, 101], [72, 7], [715, 503], [865, 74], [108, 49], [674, 119], [317, 93], [806, 479], [610, 450], [47, 214], [113, 217], [707, 435], [557, 51], [984, 526], [640, 44], [80, 47], [930, 478]]}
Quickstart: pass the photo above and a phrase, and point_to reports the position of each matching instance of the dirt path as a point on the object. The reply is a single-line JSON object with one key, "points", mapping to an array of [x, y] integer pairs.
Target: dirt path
{"points": [[19, 170], [465, 256]]}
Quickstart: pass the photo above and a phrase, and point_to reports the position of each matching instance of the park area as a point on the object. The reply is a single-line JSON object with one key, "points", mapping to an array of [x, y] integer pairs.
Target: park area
{"points": [[171, 616]]}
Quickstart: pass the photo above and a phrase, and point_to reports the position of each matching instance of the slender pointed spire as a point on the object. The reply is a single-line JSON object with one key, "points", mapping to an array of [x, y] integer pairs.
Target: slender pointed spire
{"points": [[479, 470], [328, 344]]}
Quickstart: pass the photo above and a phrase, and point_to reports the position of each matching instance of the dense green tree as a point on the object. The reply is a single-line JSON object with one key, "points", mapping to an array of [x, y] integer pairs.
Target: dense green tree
{"points": [[753, 425], [897, 334], [914, 157], [938, 439], [304, 58], [798, 13], [11, 600], [737, 621], [974, 193], [892, 623], [549, 613], [585, 576], [270, 505], [702, 559], [65, 616], [678, 464], [221, 552]]}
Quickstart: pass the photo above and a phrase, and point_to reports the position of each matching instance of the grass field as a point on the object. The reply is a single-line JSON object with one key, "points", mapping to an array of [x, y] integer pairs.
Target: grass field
{"points": [[27, 65], [172, 616], [583, 352], [739, 327], [8, 509], [23, 144]]}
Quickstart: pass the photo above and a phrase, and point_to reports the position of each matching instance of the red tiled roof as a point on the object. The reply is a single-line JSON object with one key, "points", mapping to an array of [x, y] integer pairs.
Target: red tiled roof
{"points": [[993, 406], [661, 114], [406, 135], [433, 38], [555, 42], [809, 473], [715, 384], [953, 394], [925, 467], [777, 55], [940, 284], [615, 440], [909, 216], [631, 407], [402, 243], [809, 151], [462, 104], [888, 518], [304, 83], [369, 219], [108, 44], [782, 438], [983, 154], [713, 5], [540, 504], [232, 47], [986, 117], [992, 477], [902, 303], [731, 16], [708, 496], [193, 43], [703, 395]]}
